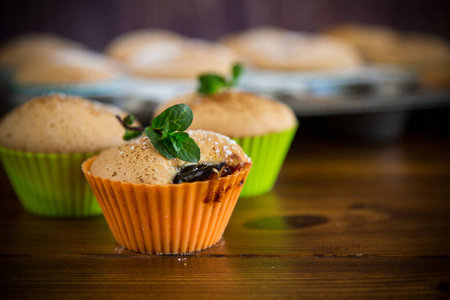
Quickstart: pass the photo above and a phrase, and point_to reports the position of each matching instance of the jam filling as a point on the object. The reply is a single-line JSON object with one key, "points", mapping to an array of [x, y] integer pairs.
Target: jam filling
{"points": [[202, 172]]}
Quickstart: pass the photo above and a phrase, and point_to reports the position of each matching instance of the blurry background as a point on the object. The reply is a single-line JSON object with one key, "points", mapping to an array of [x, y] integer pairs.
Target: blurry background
{"points": [[95, 23]]}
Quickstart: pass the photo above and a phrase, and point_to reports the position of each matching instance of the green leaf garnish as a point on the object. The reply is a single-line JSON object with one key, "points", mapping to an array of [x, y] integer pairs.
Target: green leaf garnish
{"points": [[166, 133], [212, 83], [130, 132], [237, 72]]}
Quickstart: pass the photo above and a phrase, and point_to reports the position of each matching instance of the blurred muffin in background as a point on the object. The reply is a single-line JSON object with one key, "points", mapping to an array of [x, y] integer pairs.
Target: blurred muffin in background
{"points": [[281, 49], [385, 45], [423, 53], [436, 76], [127, 44], [29, 46], [158, 53], [181, 59], [71, 71]]}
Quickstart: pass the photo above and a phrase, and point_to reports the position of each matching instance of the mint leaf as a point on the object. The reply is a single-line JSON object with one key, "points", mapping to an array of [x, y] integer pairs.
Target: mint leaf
{"points": [[212, 83], [128, 120], [190, 151], [177, 117], [130, 134], [236, 73], [162, 148], [158, 143], [166, 133], [180, 136]]}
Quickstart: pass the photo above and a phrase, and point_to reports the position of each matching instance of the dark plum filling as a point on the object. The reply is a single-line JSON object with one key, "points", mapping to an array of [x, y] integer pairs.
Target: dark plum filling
{"points": [[201, 172]]}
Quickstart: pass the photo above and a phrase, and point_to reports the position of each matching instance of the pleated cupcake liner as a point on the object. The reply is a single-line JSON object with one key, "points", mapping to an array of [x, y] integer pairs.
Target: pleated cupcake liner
{"points": [[167, 219], [267, 153], [50, 185]]}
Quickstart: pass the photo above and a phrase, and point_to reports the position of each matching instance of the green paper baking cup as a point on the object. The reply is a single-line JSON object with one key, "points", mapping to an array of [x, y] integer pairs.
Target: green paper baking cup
{"points": [[50, 185], [267, 153]]}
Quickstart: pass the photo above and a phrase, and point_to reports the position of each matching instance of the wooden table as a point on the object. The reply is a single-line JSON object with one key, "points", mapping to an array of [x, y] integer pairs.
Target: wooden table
{"points": [[344, 220]]}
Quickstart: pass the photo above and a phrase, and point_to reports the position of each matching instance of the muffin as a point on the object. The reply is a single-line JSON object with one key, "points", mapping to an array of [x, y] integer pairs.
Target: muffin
{"points": [[180, 59], [42, 145], [70, 71], [148, 212], [271, 48], [262, 126], [380, 44], [28, 46], [127, 44]]}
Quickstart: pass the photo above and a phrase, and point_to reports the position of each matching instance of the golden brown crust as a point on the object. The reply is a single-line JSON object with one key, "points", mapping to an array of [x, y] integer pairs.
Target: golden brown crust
{"points": [[67, 66], [180, 59], [236, 113], [61, 124], [281, 49], [127, 44], [137, 161], [21, 48], [385, 45]]}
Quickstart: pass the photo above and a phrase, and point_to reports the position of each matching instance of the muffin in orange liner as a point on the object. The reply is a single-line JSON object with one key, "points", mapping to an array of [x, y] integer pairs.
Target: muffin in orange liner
{"points": [[149, 214]]}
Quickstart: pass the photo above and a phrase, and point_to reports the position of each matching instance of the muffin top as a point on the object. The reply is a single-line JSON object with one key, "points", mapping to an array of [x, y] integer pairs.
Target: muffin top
{"points": [[137, 161], [280, 49], [33, 45], [66, 66], [127, 44], [185, 58], [386, 45], [236, 113], [60, 123]]}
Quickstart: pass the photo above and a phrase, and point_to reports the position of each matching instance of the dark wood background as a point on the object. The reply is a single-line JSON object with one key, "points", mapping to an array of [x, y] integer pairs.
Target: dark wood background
{"points": [[95, 22]]}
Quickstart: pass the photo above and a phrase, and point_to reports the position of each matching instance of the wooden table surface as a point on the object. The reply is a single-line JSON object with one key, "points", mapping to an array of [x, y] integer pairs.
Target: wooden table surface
{"points": [[344, 220]]}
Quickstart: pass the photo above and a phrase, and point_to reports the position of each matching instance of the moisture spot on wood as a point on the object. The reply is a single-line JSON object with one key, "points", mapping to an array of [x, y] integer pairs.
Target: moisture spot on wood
{"points": [[286, 222], [444, 287]]}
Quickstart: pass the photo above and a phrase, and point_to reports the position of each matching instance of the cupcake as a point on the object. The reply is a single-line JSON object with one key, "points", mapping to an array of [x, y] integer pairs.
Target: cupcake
{"points": [[70, 71], [42, 145], [380, 44], [127, 44], [162, 64], [262, 126], [272, 48], [33, 45], [180, 59], [158, 205]]}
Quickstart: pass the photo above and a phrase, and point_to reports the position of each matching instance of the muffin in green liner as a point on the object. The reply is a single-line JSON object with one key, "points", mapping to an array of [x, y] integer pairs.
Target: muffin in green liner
{"points": [[267, 153], [262, 126], [43, 144], [50, 185]]}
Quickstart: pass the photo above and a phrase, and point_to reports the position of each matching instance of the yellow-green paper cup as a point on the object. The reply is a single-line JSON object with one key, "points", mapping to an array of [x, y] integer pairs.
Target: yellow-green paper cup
{"points": [[267, 153], [50, 185]]}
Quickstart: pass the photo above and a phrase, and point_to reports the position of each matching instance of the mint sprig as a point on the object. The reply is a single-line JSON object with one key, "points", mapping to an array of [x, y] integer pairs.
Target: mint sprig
{"points": [[212, 83], [166, 133], [130, 132]]}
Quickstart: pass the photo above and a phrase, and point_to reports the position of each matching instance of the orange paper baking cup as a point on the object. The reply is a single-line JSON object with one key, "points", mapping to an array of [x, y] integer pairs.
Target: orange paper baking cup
{"points": [[167, 219]]}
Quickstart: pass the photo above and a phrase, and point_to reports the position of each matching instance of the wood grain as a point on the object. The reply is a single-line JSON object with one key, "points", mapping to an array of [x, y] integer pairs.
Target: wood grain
{"points": [[344, 220], [222, 277]]}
